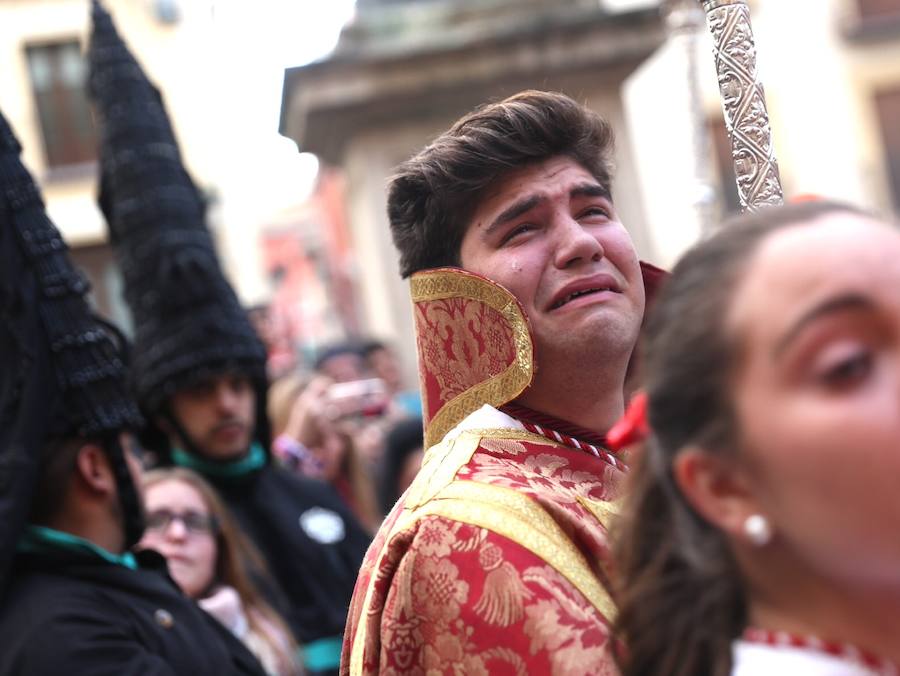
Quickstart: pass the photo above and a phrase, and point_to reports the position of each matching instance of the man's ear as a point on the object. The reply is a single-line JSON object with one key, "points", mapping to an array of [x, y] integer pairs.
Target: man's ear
{"points": [[717, 488], [94, 470]]}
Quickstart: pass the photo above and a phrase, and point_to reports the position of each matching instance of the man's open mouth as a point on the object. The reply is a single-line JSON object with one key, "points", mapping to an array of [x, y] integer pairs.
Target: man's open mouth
{"points": [[578, 294]]}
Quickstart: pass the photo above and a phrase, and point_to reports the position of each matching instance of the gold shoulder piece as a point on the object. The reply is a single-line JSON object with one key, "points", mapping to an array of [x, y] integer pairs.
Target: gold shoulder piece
{"points": [[464, 323], [439, 469]]}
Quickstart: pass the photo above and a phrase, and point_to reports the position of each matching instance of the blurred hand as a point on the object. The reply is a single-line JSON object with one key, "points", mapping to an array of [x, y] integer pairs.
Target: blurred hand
{"points": [[309, 412], [369, 440]]}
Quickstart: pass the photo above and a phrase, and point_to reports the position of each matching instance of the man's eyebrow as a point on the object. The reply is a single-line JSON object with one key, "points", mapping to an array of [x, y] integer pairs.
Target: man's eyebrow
{"points": [[526, 204], [847, 301], [590, 190], [513, 212]]}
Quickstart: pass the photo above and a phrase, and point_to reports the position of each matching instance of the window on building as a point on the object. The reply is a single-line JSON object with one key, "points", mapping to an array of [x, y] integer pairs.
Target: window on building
{"points": [[887, 103], [58, 73], [876, 9], [724, 165], [873, 21]]}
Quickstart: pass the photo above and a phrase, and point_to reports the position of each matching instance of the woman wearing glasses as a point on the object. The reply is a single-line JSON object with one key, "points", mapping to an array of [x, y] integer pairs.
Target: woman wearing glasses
{"points": [[208, 557]]}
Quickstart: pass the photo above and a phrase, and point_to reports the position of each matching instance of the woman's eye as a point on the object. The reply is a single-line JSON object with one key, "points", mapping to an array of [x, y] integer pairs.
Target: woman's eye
{"points": [[848, 371]]}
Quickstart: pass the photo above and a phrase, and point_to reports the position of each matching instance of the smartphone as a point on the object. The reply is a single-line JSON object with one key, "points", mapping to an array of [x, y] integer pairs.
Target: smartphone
{"points": [[358, 398]]}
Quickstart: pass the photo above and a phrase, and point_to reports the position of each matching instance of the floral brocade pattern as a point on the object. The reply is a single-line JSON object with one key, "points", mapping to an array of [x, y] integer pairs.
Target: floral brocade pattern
{"points": [[565, 482], [457, 360], [474, 346], [450, 597]]}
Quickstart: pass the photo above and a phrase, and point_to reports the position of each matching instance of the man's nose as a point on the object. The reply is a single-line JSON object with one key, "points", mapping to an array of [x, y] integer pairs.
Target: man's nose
{"points": [[226, 397], [575, 243]]}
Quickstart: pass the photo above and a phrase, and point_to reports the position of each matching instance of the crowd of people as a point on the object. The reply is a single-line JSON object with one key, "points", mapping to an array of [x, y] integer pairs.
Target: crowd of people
{"points": [[342, 424], [607, 468]]}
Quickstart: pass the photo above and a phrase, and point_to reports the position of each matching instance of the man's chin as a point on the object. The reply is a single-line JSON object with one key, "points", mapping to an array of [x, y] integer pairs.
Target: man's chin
{"points": [[228, 453], [592, 335]]}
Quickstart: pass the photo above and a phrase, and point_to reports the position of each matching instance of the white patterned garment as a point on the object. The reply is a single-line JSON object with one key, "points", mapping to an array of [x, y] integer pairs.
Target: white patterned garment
{"points": [[757, 659]]}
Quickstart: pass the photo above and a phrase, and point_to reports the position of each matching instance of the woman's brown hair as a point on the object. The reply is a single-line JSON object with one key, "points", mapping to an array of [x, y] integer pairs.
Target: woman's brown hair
{"points": [[236, 555], [681, 602]]}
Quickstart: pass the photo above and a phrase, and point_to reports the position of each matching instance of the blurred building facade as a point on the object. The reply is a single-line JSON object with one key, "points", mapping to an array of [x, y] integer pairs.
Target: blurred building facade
{"points": [[43, 94], [403, 70], [311, 267]]}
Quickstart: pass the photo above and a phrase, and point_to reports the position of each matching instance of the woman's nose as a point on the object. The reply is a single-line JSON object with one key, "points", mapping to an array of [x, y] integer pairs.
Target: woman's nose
{"points": [[176, 529]]}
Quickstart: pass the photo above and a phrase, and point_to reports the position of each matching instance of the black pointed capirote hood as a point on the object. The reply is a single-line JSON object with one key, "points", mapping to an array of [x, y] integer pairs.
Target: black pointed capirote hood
{"points": [[188, 320], [62, 372]]}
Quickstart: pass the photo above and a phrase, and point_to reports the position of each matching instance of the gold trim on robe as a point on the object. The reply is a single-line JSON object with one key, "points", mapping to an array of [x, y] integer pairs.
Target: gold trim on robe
{"points": [[474, 346]]}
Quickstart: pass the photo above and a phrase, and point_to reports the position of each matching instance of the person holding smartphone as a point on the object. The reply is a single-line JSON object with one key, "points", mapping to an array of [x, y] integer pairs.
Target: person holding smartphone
{"points": [[323, 436]]}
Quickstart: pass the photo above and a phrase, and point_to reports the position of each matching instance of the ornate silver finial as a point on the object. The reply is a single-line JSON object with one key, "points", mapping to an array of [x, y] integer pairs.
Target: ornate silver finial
{"points": [[744, 103]]}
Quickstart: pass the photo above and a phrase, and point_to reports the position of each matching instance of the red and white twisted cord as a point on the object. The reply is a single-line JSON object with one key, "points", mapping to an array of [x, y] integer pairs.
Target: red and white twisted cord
{"points": [[843, 651], [565, 439]]}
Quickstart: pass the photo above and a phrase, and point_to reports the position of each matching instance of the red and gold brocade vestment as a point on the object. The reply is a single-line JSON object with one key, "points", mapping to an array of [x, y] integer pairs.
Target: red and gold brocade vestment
{"points": [[495, 559]]}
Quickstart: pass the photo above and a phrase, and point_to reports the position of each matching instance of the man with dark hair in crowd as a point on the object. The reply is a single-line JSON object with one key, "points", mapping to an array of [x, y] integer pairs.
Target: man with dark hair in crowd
{"points": [[382, 360], [342, 362], [199, 368], [528, 298], [75, 601]]}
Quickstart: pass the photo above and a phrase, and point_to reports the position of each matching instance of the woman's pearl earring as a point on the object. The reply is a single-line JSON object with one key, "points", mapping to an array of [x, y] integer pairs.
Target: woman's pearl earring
{"points": [[758, 530]]}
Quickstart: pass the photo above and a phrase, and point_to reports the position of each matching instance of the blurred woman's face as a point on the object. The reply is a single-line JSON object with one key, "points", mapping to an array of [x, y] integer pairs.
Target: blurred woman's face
{"points": [[179, 527], [817, 394], [330, 452]]}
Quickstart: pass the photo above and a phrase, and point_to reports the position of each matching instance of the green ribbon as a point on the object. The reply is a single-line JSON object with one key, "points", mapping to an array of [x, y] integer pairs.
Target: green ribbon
{"points": [[41, 539], [255, 459], [322, 654]]}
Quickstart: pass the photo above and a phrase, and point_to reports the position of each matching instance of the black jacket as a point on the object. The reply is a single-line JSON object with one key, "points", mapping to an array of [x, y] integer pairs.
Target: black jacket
{"points": [[72, 615], [311, 542]]}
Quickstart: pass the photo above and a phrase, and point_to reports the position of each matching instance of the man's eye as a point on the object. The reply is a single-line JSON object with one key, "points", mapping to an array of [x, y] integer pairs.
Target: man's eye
{"points": [[516, 231], [596, 211], [239, 383]]}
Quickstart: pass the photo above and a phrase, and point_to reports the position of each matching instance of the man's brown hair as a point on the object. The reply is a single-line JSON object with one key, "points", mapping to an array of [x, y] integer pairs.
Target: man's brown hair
{"points": [[433, 195]]}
